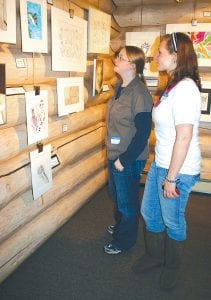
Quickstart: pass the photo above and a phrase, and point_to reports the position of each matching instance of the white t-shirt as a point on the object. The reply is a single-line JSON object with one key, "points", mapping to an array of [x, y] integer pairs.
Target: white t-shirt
{"points": [[181, 106]]}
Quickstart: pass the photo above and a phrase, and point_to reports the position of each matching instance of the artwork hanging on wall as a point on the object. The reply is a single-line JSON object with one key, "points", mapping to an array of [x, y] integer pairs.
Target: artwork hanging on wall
{"points": [[34, 26], [206, 102], [69, 41], [200, 35], [2, 94], [8, 21], [99, 26], [148, 42], [41, 171], [97, 77], [70, 95], [37, 116]]}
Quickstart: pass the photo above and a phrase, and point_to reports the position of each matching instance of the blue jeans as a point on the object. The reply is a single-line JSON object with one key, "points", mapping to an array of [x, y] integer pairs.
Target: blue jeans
{"points": [[124, 190], [161, 213]]}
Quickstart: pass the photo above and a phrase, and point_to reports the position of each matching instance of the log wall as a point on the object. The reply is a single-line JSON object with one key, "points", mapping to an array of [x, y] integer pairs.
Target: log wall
{"points": [[26, 223]]}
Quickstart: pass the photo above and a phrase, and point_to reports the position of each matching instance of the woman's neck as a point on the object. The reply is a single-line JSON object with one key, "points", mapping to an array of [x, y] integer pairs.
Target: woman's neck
{"points": [[127, 79]]}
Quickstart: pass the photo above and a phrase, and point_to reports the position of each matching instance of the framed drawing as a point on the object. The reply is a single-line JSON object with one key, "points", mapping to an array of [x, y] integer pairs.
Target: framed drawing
{"points": [[69, 41], [206, 101], [41, 171], [148, 42], [97, 77], [8, 21], [2, 94], [200, 36], [99, 26], [70, 95], [34, 26], [37, 116]]}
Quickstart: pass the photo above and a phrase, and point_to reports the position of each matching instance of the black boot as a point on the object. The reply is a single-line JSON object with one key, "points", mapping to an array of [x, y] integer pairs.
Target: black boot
{"points": [[173, 257], [154, 256]]}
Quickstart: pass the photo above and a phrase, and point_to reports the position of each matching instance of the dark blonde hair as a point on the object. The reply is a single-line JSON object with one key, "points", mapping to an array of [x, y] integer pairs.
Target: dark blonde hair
{"points": [[187, 64]]}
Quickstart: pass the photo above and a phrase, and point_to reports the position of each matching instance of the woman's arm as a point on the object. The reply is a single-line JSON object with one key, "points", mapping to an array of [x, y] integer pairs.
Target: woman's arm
{"points": [[184, 134]]}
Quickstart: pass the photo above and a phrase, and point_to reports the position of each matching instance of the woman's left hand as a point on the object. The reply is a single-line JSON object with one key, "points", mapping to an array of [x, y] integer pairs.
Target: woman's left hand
{"points": [[170, 190], [118, 165]]}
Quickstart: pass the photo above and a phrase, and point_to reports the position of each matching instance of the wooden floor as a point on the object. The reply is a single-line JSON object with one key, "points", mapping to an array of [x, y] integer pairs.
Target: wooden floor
{"points": [[72, 264]]}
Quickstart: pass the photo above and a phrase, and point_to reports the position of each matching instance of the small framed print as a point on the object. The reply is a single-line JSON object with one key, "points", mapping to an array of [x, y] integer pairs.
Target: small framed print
{"points": [[205, 101]]}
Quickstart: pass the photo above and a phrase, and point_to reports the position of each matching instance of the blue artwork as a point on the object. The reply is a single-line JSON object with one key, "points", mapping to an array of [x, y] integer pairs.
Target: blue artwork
{"points": [[34, 16]]}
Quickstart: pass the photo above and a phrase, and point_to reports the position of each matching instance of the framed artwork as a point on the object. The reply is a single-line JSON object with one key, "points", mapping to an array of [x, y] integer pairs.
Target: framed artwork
{"points": [[8, 21], [37, 116], [34, 26], [70, 95], [148, 42], [99, 27], [206, 102], [41, 171], [2, 94], [200, 36], [97, 77], [69, 41]]}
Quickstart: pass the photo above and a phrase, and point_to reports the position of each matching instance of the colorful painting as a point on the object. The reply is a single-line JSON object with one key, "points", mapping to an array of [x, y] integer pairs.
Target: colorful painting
{"points": [[148, 42], [8, 21], [34, 20], [34, 26], [201, 38], [41, 171], [69, 41], [70, 95], [37, 116]]}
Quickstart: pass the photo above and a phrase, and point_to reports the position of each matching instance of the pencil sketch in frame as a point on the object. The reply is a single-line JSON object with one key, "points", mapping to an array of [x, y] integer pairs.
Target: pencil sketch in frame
{"points": [[70, 95], [69, 41], [200, 36], [8, 21], [205, 101], [41, 171], [2, 94], [34, 26], [37, 116], [148, 42], [99, 27]]}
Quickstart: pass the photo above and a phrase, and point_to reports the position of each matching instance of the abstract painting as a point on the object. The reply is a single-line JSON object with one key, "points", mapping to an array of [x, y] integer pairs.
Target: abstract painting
{"points": [[8, 21], [69, 41], [34, 26], [37, 116], [70, 95], [99, 26], [41, 171], [200, 35]]}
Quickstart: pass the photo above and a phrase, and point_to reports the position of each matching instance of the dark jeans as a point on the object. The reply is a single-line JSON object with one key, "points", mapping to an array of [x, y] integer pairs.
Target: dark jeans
{"points": [[124, 189]]}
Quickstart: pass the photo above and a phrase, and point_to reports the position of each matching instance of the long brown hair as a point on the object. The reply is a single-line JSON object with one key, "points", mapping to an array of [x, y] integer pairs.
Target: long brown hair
{"points": [[187, 64]]}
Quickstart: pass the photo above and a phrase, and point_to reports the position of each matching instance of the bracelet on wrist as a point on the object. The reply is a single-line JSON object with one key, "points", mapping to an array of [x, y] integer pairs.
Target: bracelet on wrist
{"points": [[170, 180]]}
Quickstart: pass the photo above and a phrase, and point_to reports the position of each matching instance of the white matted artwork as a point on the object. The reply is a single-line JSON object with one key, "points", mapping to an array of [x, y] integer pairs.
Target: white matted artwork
{"points": [[37, 116], [70, 95], [148, 42], [69, 41], [8, 21], [99, 27], [41, 171], [34, 26], [200, 35], [205, 101]]}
